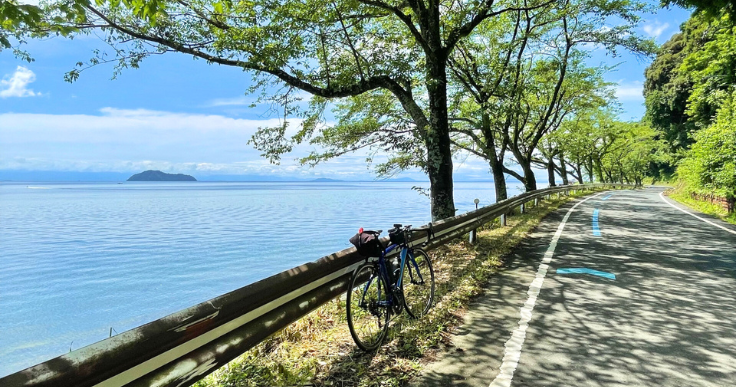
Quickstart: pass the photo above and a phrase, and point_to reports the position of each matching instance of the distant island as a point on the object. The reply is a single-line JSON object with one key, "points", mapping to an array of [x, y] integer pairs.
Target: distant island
{"points": [[160, 176]]}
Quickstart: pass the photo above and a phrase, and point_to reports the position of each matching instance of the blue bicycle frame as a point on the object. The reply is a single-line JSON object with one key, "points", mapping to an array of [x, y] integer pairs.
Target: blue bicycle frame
{"points": [[405, 251]]}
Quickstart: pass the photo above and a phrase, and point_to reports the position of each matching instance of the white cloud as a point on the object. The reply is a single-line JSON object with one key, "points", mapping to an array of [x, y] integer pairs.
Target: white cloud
{"points": [[239, 101], [630, 91], [655, 28], [119, 140], [16, 85], [124, 132]]}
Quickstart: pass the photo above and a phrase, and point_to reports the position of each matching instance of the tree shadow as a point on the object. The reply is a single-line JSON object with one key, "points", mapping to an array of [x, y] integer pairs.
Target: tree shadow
{"points": [[669, 317]]}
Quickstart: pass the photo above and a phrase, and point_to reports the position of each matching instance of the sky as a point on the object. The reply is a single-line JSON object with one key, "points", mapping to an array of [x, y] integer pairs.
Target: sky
{"points": [[182, 115]]}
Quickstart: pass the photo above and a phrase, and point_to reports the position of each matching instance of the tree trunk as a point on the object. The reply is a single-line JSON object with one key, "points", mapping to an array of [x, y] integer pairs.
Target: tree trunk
{"points": [[551, 172], [579, 170], [437, 141], [499, 180], [563, 169], [499, 177], [599, 170], [530, 181], [590, 169]]}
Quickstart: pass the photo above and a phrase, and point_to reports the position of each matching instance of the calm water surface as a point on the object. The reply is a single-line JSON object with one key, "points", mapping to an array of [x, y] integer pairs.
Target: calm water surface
{"points": [[79, 259]]}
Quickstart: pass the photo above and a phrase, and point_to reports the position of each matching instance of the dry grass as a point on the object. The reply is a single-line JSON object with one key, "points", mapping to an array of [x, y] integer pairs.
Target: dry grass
{"points": [[318, 350]]}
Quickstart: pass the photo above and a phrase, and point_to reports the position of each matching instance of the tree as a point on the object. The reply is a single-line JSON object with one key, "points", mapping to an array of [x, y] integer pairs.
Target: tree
{"points": [[709, 7], [18, 21], [688, 82], [584, 91], [709, 167], [712, 70], [348, 48], [576, 141], [628, 158], [481, 70], [666, 91], [523, 89], [586, 139], [690, 77]]}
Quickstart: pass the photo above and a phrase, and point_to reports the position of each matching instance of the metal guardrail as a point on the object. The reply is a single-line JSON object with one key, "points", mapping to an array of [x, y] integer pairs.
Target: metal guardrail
{"points": [[181, 348]]}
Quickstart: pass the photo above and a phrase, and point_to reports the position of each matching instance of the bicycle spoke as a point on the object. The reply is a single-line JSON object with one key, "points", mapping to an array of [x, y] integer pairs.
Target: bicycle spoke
{"points": [[419, 290], [367, 319]]}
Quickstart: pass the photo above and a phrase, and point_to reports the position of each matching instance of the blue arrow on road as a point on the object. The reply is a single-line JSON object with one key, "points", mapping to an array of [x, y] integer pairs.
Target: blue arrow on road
{"points": [[581, 270], [596, 229]]}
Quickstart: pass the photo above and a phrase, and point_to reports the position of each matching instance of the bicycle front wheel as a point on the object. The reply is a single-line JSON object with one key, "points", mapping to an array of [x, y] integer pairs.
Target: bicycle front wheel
{"points": [[367, 307], [418, 284]]}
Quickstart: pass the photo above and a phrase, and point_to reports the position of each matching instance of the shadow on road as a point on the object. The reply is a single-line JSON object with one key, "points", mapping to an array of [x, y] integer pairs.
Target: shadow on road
{"points": [[668, 319]]}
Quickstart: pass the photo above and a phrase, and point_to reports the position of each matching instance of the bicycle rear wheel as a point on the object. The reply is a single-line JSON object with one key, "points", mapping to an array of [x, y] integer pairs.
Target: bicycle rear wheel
{"points": [[418, 285], [367, 307]]}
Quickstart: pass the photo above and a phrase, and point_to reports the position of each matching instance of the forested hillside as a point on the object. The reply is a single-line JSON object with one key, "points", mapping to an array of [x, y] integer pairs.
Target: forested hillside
{"points": [[690, 89]]}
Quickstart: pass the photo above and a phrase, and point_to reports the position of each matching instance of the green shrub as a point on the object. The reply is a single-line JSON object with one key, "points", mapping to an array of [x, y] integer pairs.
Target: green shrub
{"points": [[710, 165]]}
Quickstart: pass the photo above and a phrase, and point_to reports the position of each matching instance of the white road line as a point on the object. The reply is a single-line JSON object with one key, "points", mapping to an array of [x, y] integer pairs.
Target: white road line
{"points": [[512, 351], [695, 216]]}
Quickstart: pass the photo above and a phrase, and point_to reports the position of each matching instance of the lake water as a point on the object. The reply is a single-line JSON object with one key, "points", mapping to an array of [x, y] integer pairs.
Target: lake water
{"points": [[77, 259]]}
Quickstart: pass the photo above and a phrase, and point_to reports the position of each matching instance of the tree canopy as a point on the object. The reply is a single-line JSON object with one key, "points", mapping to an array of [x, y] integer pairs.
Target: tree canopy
{"points": [[689, 97], [347, 49], [417, 81]]}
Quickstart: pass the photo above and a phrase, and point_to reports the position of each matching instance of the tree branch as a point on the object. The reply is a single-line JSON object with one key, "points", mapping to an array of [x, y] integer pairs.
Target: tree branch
{"points": [[513, 173], [331, 91], [406, 19], [484, 13]]}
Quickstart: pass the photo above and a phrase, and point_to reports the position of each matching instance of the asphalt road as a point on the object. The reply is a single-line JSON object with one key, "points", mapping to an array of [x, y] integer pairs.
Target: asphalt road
{"points": [[667, 319]]}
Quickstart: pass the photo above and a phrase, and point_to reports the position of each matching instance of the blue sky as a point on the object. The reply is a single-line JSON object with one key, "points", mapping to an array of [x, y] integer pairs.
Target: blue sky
{"points": [[183, 115]]}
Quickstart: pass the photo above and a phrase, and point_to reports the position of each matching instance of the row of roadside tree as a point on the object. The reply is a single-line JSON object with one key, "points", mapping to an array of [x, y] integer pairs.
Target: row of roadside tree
{"points": [[416, 81]]}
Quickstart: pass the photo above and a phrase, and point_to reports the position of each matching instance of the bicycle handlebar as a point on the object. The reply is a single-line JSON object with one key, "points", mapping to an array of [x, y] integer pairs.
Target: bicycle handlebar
{"points": [[429, 230]]}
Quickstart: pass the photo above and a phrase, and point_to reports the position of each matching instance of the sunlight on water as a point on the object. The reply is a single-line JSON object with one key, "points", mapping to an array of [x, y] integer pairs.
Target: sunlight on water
{"points": [[79, 259]]}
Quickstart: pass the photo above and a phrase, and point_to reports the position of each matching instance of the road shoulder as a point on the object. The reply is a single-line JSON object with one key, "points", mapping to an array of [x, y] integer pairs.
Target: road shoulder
{"points": [[478, 345]]}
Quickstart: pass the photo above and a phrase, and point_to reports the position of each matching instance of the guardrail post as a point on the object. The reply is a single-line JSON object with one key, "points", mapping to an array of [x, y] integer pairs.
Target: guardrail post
{"points": [[536, 202], [503, 220], [521, 208], [474, 233]]}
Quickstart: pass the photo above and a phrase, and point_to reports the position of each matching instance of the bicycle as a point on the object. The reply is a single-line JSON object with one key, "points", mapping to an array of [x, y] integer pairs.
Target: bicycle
{"points": [[377, 288]]}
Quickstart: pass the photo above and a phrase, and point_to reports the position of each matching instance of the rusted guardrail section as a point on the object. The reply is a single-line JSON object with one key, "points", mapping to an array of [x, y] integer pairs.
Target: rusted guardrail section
{"points": [[183, 347]]}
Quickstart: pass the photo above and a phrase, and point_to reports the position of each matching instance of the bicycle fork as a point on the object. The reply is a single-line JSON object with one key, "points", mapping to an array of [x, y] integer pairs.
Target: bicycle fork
{"points": [[416, 267]]}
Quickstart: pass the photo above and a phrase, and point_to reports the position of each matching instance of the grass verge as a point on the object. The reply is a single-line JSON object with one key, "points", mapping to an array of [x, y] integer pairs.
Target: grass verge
{"points": [[318, 350], [682, 196]]}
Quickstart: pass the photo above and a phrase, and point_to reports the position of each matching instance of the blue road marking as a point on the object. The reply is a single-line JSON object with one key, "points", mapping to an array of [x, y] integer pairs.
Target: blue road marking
{"points": [[586, 271], [596, 229], [605, 198]]}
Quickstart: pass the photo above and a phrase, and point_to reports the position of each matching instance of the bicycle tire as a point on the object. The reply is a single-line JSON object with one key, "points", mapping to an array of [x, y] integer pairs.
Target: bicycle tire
{"points": [[368, 323], [418, 296]]}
